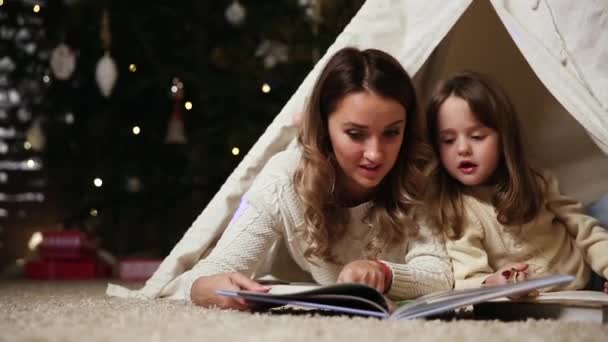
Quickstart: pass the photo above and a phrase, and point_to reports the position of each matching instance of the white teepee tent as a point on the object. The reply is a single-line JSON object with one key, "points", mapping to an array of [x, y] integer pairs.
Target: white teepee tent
{"points": [[550, 55]]}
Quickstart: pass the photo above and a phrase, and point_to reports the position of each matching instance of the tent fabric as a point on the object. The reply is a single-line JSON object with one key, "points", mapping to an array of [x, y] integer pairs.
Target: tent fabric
{"points": [[564, 56]]}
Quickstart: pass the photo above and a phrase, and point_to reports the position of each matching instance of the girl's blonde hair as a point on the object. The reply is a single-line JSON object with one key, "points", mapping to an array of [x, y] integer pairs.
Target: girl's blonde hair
{"points": [[349, 71], [518, 197]]}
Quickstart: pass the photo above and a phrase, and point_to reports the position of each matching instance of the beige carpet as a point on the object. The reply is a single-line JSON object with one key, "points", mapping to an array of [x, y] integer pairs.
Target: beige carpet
{"points": [[79, 311]]}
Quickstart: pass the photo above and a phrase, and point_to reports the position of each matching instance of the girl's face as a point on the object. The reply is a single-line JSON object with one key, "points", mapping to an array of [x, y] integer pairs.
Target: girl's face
{"points": [[469, 150], [366, 132]]}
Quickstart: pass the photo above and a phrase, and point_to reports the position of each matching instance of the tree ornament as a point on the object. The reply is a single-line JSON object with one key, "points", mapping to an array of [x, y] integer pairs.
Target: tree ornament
{"points": [[272, 53], [175, 128], [35, 135], [106, 74], [63, 62], [236, 13]]}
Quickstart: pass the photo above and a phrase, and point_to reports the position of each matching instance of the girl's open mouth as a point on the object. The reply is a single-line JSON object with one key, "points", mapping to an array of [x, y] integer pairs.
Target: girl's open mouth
{"points": [[467, 167]]}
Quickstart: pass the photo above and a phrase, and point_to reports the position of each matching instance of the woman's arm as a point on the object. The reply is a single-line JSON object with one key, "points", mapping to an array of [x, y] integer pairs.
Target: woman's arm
{"points": [[239, 251], [426, 267]]}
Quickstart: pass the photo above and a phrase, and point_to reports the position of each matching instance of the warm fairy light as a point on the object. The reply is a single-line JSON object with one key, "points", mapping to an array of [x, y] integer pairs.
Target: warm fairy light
{"points": [[132, 67], [31, 163], [188, 105], [235, 151], [35, 240], [98, 182], [1, 2], [136, 130], [93, 212], [36, 8], [173, 89], [265, 88], [45, 78], [26, 145]]}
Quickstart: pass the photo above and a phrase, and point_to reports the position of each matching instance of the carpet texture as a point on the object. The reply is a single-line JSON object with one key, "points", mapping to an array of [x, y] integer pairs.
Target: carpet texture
{"points": [[79, 311]]}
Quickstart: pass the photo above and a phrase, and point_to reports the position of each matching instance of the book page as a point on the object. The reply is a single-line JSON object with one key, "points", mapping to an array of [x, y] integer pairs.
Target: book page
{"points": [[291, 288], [569, 298]]}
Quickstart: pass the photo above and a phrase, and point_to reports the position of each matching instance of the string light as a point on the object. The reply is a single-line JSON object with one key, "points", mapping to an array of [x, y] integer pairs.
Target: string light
{"points": [[31, 163], [93, 212], [45, 78], [98, 182], [36, 8], [26, 145], [132, 67], [235, 151], [266, 88], [35, 240], [136, 130], [188, 105], [1, 2]]}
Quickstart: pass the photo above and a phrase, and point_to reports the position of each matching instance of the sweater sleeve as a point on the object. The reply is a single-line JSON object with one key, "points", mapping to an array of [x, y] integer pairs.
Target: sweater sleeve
{"points": [[426, 267], [241, 247], [588, 235], [468, 255]]}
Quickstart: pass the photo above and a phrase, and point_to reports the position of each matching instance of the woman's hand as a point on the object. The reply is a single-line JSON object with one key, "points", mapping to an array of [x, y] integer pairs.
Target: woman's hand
{"points": [[365, 272], [203, 290], [606, 287]]}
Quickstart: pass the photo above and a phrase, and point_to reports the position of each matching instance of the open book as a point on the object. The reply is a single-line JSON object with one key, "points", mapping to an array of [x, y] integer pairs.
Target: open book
{"points": [[357, 299], [562, 305]]}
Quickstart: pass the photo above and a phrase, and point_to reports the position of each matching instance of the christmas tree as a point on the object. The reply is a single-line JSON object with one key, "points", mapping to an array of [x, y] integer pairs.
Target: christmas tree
{"points": [[150, 105]]}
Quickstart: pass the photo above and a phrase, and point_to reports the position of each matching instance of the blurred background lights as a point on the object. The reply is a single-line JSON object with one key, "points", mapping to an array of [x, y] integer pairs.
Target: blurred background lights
{"points": [[35, 240]]}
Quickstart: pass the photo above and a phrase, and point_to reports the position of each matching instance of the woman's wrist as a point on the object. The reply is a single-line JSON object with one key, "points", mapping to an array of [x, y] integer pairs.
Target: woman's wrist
{"points": [[388, 274]]}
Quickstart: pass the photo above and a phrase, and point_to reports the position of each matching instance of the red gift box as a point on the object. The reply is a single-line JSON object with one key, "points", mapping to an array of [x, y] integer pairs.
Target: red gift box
{"points": [[67, 269], [66, 245], [137, 269]]}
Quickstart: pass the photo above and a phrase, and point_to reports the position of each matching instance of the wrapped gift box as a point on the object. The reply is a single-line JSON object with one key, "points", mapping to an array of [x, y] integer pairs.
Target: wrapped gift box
{"points": [[137, 269], [67, 269], [65, 245]]}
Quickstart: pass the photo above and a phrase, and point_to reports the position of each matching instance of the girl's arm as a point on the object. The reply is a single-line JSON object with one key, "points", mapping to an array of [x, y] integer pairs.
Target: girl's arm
{"points": [[588, 235], [469, 257], [426, 267]]}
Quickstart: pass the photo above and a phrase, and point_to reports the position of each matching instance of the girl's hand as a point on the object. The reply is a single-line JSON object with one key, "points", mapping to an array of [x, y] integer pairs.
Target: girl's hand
{"points": [[606, 287], [365, 272], [203, 290], [510, 273]]}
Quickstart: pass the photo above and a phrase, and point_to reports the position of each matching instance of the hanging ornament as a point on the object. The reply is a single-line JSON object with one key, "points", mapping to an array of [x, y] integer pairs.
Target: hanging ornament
{"points": [[133, 184], [272, 53], [175, 129], [106, 72], [35, 136], [236, 13], [63, 62]]}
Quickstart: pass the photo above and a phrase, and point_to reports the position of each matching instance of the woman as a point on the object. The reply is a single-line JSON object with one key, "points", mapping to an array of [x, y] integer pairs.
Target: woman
{"points": [[343, 202]]}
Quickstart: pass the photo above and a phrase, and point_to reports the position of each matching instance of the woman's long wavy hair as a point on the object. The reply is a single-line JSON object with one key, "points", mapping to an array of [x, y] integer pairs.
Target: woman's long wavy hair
{"points": [[518, 195], [350, 71]]}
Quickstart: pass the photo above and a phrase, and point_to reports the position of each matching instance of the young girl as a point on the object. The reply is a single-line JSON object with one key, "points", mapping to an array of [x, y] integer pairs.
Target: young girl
{"points": [[504, 220], [342, 202]]}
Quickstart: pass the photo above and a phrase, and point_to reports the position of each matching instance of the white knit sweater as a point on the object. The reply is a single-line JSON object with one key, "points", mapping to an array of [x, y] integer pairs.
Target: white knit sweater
{"points": [[272, 212]]}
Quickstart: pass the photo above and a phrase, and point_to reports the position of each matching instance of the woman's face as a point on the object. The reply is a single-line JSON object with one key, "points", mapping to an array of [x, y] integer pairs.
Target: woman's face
{"points": [[366, 132]]}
